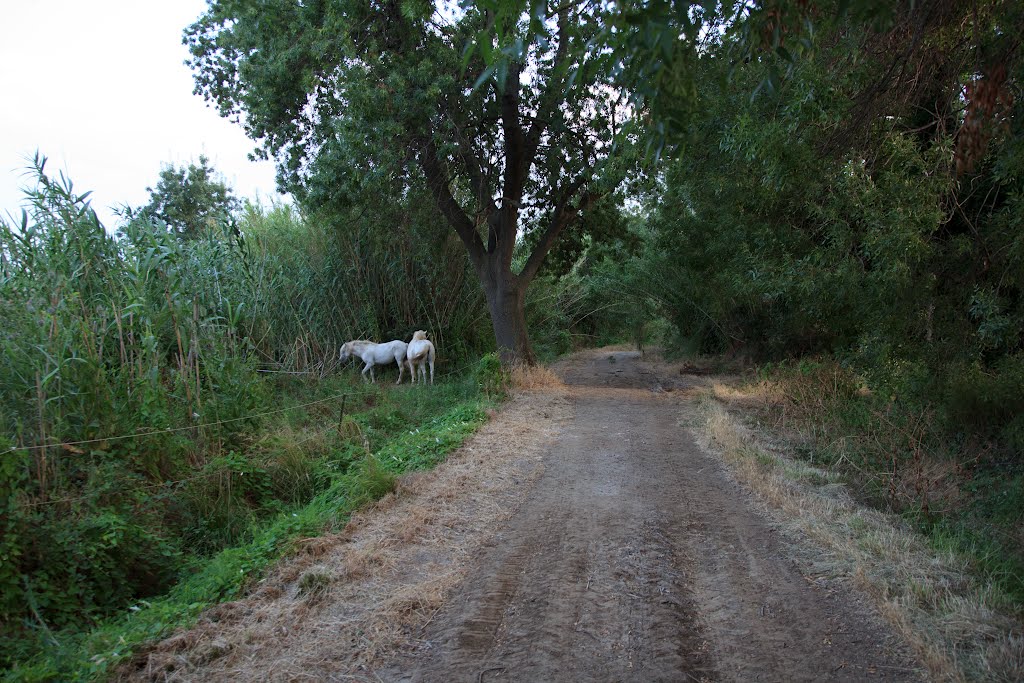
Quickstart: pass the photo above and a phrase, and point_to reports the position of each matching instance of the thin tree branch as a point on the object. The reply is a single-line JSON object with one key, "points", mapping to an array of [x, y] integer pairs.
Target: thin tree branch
{"points": [[473, 165], [565, 214], [553, 93], [437, 181]]}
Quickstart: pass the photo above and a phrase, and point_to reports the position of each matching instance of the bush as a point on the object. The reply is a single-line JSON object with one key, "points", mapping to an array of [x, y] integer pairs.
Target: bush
{"points": [[989, 402], [490, 376], [905, 453]]}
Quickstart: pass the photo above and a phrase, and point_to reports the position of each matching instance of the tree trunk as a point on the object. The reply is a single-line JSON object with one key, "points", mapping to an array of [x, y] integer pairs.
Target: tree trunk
{"points": [[505, 291], [506, 297]]}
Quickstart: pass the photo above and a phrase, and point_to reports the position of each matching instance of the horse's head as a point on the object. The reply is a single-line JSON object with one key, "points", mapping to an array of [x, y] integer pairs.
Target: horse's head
{"points": [[346, 352], [419, 334]]}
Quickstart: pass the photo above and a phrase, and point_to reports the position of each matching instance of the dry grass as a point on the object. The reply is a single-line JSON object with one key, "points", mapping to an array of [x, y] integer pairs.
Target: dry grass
{"points": [[762, 394], [529, 377], [803, 408], [931, 598], [345, 601], [610, 348]]}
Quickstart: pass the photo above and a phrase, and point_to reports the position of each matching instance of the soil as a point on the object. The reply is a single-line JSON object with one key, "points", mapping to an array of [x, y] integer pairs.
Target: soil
{"points": [[582, 535]]}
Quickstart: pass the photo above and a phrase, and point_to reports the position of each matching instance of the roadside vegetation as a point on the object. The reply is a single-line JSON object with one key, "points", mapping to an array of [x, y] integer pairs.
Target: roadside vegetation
{"points": [[962, 625], [853, 232], [856, 235]]}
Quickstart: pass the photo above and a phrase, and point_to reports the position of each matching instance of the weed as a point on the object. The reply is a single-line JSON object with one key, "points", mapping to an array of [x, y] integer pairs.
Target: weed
{"points": [[902, 458], [226, 574], [491, 377]]}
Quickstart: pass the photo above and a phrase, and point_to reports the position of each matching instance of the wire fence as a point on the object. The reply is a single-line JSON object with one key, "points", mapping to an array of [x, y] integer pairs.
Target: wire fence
{"points": [[171, 430], [187, 480], [167, 484]]}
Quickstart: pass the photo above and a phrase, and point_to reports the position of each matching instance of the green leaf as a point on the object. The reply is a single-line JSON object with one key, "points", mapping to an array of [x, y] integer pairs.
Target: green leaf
{"points": [[484, 76]]}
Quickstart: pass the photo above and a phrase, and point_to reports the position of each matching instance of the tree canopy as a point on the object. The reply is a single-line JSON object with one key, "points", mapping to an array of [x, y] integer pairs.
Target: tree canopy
{"points": [[187, 199], [509, 139]]}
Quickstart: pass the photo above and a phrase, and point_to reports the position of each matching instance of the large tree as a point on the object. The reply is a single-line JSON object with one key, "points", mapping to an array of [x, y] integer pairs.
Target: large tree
{"points": [[510, 137]]}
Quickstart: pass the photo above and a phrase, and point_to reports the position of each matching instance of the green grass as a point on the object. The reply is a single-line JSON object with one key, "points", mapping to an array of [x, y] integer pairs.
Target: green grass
{"points": [[140, 430], [986, 528], [409, 428]]}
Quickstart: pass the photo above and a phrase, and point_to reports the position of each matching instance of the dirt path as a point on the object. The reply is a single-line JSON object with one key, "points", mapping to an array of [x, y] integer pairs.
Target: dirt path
{"points": [[610, 548], [636, 558]]}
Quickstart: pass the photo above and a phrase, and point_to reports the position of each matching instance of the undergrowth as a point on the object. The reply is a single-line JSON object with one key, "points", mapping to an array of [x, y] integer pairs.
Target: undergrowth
{"points": [[962, 625], [168, 394], [304, 473], [955, 482]]}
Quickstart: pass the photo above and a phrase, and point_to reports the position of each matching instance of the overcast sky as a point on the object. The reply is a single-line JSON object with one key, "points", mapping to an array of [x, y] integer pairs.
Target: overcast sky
{"points": [[101, 89]]}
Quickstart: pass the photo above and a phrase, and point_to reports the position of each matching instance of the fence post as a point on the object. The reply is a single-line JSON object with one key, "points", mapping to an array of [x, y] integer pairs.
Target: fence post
{"points": [[341, 413]]}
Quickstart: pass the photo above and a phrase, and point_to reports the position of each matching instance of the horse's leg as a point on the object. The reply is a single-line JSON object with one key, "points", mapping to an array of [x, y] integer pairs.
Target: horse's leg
{"points": [[401, 369], [365, 368], [431, 372]]}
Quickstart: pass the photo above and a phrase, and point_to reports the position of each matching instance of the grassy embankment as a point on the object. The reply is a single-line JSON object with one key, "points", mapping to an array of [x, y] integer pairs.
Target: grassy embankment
{"points": [[926, 520], [311, 472], [148, 462]]}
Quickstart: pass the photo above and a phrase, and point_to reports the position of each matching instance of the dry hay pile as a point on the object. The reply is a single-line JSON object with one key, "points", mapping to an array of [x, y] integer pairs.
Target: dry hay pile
{"points": [[532, 377]]}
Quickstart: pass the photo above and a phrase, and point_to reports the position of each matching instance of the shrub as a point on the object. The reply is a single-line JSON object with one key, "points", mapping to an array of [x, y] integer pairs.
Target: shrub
{"points": [[490, 376]]}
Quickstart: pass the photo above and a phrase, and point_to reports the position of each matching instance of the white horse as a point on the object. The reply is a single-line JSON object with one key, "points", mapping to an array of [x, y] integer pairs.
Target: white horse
{"points": [[421, 352], [372, 354]]}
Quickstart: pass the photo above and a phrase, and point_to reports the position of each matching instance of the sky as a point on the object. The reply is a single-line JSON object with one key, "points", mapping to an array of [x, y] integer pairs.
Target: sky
{"points": [[101, 89]]}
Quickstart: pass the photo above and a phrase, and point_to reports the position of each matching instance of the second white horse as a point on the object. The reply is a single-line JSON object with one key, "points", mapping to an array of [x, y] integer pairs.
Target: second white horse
{"points": [[419, 353]]}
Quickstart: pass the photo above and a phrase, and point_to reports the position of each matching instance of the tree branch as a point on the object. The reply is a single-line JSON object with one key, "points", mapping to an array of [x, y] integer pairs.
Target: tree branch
{"points": [[437, 181], [552, 94], [564, 215], [473, 165]]}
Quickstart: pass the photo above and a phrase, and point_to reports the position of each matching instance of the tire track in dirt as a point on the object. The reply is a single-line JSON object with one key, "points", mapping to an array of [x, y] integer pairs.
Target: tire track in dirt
{"points": [[636, 558]]}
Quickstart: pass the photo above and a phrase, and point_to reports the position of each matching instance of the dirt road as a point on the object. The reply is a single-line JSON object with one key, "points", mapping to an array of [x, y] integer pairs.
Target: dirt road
{"points": [[635, 558], [616, 550]]}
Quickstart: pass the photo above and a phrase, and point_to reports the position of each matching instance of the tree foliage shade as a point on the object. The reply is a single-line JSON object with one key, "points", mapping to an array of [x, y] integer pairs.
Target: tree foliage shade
{"points": [[841, 215]]}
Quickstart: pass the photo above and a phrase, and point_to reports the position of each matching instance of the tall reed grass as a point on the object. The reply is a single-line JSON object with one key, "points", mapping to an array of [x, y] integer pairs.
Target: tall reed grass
{"points": [[137, 372]]}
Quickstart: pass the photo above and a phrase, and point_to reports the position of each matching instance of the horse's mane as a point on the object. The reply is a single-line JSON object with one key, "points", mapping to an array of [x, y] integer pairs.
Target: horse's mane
{"points": [[358, 343]]}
